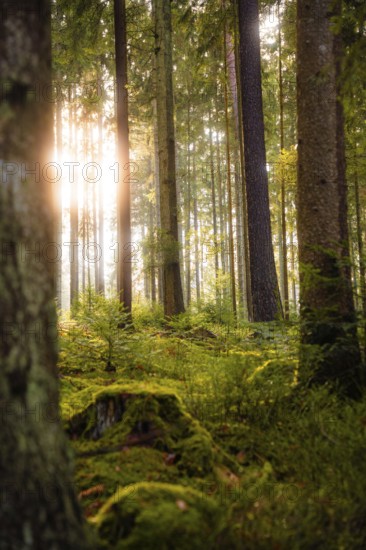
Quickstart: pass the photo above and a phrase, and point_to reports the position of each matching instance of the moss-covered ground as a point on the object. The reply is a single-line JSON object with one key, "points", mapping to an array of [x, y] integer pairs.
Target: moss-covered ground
{"points": [[202, 438]]}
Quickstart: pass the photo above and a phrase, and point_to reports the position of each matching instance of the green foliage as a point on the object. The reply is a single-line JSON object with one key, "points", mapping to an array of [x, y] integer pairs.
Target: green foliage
{"points": [[281, 462], [157, 515], [148, 316], [95, 333]]}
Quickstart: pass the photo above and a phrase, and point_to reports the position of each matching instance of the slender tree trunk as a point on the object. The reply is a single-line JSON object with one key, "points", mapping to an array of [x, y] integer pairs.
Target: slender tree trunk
{"points": [[85, 212], [327, 314], [188, 211], [74, 208], [248, 291], [361, 258], [220, 196], [196, 232], [101, 282], [145, 266], [157, 193], [264, 284], [152, 253], [283, 255], [124, 273], [280, 247], [59, 200], [231, 71], [293, 273], [38, 507], [95, 238], [229, 190], [214, 213], [180, 222], [201, 261], [173, 294]]}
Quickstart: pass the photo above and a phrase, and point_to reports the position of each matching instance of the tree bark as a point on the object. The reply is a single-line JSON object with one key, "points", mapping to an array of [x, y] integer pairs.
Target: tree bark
{"points": [[196, 229], [283, 255], [74, 210], [58, 199], [173, 294], [220, 195], [38, 507], [240, 247], [248, 291], [360, 249], [124, 268], [229, 188], [214, 214], [101, 282], [157, 194], [264, 284], [326, 312], [188, 209]]}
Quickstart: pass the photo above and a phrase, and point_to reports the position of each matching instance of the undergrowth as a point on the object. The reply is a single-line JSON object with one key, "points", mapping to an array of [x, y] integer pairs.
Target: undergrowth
{"points": [[297, 476]]}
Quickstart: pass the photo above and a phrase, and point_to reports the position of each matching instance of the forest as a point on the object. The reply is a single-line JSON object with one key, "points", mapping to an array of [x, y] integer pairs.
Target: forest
{"points": [[182, 274]]}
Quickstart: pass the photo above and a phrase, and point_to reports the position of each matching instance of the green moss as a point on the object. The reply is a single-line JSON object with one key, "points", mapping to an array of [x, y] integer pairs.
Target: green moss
{"points": [[163, 516], [98, 477], [125, 415]]}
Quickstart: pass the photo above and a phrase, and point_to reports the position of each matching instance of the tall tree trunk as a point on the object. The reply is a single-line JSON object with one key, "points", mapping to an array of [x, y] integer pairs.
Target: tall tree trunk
{"points": [[74, 207], [85, 212], [326, 311], [196, 232], [124, 273], [145, 265], [293, 273], [280, 246], [360, 250], [95, 238], [349, 311], [152, 253], [283, 255], [58, 197], [264, 284], [157, 193], [101, 282], [229, 188], [173, 294], [214, 213], [248, 291], [220, 195], [188, 210], [38, 507], [231, 71]]}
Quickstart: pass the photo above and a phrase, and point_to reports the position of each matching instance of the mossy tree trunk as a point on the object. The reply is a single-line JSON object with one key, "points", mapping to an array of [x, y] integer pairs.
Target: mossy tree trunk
{"points": [[38, 508], [172, 284], [326, 304]]}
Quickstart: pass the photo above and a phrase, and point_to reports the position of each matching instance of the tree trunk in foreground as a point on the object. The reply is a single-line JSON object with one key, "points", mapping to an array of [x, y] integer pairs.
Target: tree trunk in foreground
{"points": [[38, 508], [330, 350]]}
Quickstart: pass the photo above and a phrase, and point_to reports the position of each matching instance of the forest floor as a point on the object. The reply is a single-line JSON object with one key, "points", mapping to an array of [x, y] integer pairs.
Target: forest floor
{"points": [[199, 437]]}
